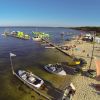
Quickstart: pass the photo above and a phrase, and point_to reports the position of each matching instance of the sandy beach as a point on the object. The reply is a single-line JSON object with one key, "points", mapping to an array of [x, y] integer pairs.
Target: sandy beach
{"points": [[82, 83]]}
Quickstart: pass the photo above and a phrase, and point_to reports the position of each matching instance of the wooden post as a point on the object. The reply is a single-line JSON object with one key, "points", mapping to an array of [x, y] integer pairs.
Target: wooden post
{"points": [[12, 65]]}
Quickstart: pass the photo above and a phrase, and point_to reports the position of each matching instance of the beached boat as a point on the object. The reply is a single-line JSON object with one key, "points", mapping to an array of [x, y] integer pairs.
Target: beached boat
{"points": [[65, 47], [55, 69], [30, 78]]}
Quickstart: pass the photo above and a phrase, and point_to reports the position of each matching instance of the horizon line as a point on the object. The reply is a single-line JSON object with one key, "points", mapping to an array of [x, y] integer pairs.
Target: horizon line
{"points": [[47, 26]]}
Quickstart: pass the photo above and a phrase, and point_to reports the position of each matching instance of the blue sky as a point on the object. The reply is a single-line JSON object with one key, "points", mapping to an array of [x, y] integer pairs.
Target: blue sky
{"points": [[50, 12]]}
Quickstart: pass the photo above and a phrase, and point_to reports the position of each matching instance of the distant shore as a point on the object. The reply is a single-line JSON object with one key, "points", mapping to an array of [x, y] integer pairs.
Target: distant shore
{"points": [[88, 29]]}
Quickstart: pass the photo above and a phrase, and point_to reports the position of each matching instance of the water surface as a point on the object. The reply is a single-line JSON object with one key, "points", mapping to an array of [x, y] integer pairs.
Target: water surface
{"points": [[30, 55]]}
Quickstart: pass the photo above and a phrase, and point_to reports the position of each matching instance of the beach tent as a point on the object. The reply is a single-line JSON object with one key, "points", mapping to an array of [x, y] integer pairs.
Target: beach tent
{"points": [[97, 62], [97, 39]]}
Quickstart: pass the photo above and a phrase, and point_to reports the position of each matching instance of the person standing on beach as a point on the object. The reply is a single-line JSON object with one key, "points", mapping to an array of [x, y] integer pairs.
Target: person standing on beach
{"points": [[88, 55]]}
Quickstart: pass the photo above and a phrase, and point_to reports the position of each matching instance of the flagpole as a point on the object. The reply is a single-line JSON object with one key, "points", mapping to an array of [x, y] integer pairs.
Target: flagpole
{"points": [[12, 68], [92, 51]]}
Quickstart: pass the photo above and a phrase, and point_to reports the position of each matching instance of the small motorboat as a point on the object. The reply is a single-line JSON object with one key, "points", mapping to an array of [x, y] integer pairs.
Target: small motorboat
{"points": [[49, 47], [3, 34], [65, 47], [36, 38], [30, 78], [55, 69]]}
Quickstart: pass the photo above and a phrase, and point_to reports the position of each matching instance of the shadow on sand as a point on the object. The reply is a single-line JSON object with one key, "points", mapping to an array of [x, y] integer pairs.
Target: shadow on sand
{"points": [[89, 73], [71, 70]]}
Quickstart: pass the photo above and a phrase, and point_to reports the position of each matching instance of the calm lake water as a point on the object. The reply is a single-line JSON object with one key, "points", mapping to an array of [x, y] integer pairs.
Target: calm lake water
{"points": [[30, 55]]}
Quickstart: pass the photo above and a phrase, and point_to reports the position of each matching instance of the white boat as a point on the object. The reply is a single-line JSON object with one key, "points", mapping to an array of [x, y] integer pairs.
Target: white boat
{"points": [[55, 69], [36, 38], [50, 47], [30, 78], [3, 34]]}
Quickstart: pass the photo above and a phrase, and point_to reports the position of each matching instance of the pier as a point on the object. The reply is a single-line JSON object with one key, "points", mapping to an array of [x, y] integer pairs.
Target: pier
{"points": [[56, 47]]}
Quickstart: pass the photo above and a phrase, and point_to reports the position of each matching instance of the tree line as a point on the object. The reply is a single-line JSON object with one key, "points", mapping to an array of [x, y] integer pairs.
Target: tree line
{"points": [[88, 29]]}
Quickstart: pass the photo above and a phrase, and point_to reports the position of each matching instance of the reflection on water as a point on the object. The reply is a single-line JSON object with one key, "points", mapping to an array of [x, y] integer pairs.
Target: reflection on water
{"points": [[30, 55]]}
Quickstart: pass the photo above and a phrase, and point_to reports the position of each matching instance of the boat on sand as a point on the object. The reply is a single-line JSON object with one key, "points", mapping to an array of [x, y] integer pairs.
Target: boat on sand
{"points": [[55, 69]]}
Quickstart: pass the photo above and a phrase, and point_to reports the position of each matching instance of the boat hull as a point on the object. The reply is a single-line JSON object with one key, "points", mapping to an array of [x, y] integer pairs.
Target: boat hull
{"points": [[61, 73], [36, 39], [32, 77]]}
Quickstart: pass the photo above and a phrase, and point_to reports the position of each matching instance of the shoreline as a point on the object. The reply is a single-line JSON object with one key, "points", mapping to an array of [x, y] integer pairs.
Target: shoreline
{"points": [[90, 29], [82, 83]]}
